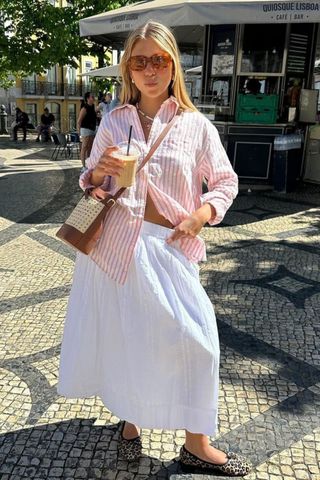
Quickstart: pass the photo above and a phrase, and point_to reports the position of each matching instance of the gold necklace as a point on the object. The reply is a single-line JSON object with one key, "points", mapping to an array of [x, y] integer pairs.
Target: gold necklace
{"points": [[147, 120], [144, 114]]}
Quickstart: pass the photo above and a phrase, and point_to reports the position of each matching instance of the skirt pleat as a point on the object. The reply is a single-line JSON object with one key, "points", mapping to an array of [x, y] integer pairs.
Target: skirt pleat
{"points": [[148, 348]]}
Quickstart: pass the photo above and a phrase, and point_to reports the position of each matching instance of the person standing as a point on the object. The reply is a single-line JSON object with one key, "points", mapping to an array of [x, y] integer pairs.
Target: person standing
{"points": [[115, 102], [140, 330], [104, 105], [87, 124], [22, 120]]}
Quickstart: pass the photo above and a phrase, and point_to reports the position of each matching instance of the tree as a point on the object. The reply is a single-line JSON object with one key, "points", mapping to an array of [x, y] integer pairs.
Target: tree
{"points": [[34, 35]]}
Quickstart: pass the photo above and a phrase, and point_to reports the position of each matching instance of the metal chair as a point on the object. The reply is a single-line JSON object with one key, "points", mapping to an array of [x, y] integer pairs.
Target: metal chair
{"points": [[73, 144], [57, 146], [65, 144]]}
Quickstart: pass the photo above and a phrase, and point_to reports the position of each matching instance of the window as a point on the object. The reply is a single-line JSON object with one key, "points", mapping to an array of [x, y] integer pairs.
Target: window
{"points": [[262, 52], [88, 66], [31, 78], [316, 72], [261, 85], [223, 44], [221, 52], [31, 110], [71, 75], [72, 117], [52, 80], [190, 59], [220, 89], [30, 85]]}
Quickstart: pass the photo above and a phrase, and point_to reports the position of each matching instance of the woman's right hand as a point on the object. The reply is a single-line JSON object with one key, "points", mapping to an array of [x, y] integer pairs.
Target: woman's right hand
{"points": [[106, 166], [109, 165]]}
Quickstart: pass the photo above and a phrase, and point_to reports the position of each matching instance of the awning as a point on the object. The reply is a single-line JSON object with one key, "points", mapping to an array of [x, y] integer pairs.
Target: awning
{"points": [[175, 13], [110, 71], [195, 70]]}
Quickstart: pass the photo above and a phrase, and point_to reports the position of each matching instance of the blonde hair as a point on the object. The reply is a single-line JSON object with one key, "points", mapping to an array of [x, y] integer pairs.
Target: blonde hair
{"points": [[165, 39]]}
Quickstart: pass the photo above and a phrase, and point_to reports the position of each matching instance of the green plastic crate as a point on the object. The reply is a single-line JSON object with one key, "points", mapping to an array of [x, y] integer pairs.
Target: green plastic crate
{"points": [[257, 108], [251, 115], [258, 101]]}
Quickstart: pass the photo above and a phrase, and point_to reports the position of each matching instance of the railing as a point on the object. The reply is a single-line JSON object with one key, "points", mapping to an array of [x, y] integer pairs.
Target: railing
{"points": [[79, 89], [73, 90], [41, 88], [55, 89]]}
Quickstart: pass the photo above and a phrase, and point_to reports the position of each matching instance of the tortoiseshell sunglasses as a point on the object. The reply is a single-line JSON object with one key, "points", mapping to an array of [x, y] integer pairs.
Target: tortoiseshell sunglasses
{"points": [[138, 63]]}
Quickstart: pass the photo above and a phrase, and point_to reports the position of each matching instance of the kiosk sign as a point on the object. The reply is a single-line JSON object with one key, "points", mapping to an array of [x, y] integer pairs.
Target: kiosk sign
{"points": [[291, 11], [175, 13], [124, 23]]}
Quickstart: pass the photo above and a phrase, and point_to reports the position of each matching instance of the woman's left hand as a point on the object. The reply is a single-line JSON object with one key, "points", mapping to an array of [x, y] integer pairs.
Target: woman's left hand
{"points": [[192, 225], [98, 193]]}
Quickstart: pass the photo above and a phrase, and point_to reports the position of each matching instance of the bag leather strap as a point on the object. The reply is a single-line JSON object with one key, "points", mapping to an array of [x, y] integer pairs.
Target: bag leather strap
{"points": [[110, 200]]}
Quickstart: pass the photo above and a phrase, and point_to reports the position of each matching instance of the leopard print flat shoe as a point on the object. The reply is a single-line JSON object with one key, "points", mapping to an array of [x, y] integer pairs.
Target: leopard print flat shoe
{"points": [[129, 449], [235, 466]]}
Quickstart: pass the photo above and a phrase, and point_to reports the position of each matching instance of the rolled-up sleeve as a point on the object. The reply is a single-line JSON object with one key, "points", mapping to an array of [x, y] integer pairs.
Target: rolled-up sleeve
{"points": [[216, 168], [103, 139]]}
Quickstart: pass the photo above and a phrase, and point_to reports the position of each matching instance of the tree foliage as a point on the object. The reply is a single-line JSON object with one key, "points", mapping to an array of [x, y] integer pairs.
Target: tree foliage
{"points": [[34, 35]]}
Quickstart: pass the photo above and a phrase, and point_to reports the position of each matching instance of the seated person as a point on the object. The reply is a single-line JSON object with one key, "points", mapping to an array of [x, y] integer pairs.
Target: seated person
{"points": [[47, 120], [22, 120]]}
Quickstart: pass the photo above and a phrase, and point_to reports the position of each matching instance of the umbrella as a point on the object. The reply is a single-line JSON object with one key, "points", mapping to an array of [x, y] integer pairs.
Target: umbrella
{"points": [[175, 13], [110, 71]]}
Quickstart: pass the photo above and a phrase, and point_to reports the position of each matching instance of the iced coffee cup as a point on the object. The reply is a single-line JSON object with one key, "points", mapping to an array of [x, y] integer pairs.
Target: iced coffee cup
{"points": [[128, 173]]}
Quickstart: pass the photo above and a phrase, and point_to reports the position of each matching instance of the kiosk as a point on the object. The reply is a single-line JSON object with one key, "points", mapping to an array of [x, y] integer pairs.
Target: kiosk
{"points": [[254, 58]]}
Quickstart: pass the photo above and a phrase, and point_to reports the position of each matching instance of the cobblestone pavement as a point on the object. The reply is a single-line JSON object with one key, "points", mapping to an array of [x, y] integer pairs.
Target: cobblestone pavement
{"points": [[263, 278]]}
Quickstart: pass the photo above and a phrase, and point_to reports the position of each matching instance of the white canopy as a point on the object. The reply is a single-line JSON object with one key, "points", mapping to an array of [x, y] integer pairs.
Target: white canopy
{"points": [[110, 71], [195, 69], [200, 12]]}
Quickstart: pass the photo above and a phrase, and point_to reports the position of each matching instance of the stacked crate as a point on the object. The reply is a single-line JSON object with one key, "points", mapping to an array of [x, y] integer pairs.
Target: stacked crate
{"points": [[258, 108]]}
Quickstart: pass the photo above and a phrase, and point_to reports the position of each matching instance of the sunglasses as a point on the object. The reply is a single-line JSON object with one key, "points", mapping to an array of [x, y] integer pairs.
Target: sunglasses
{"points": [[140, 62]]}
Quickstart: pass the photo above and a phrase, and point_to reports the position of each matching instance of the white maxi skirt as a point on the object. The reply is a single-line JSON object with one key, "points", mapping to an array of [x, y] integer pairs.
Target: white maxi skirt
{"points": [[149, 348]]}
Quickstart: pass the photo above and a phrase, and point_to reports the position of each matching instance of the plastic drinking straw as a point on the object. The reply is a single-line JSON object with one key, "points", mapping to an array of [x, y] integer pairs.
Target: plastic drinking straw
{"points": [[129, 139]]}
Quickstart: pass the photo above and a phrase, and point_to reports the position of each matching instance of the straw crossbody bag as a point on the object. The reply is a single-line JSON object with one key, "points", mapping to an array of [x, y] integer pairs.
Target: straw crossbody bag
{"points": [[83, 228]]}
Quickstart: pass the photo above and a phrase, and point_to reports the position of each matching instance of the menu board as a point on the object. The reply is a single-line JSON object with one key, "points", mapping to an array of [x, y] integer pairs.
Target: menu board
{"points": [[297, 53], [299, 49], [223, 50]]}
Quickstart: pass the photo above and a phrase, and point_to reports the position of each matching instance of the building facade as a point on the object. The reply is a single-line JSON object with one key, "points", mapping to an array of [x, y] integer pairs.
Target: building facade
{"points": [[60, 89]]}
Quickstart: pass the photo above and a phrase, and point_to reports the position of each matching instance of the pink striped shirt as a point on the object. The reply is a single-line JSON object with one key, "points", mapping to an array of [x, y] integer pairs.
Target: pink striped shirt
{"points": [[173, 177]]}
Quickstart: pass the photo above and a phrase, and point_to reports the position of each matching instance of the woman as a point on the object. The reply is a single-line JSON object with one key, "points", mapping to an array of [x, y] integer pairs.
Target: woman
{"points": [[87, 123], [140, 330], [104, 105]]}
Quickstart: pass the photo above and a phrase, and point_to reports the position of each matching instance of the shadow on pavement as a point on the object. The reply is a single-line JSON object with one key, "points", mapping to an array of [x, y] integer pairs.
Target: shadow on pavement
{"points": [[258, 206], [34, 197], [72, 449], [24, 154], [313, 221]]}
